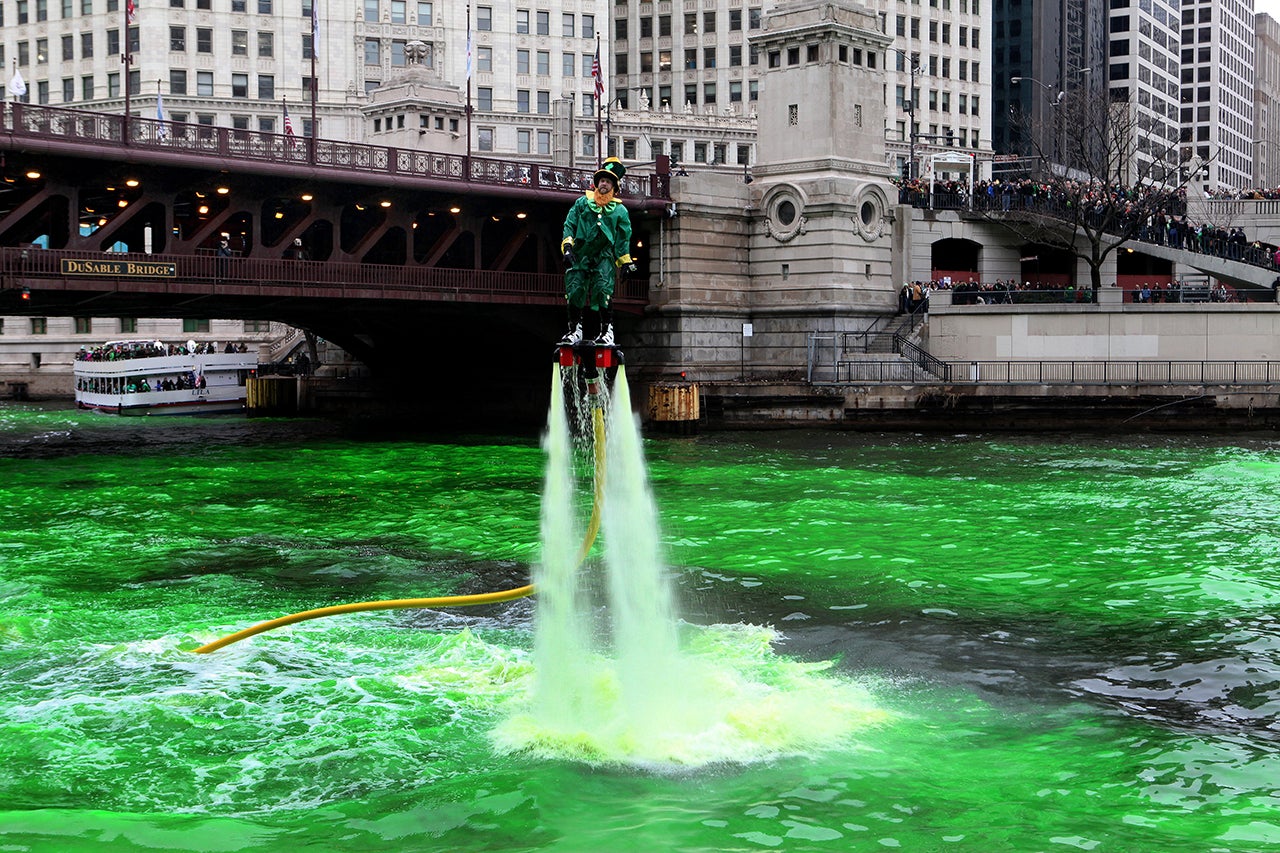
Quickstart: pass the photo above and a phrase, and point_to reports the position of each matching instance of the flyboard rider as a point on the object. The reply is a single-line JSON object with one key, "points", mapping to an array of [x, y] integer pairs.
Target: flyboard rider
{"points": [[597, 242]]}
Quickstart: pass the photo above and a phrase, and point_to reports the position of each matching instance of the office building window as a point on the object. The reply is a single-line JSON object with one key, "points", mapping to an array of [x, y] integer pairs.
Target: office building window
{"points": [[177, 81], [204, 84], [484, 18], [425, 18], [239, 42], [239, 85], [204, 40], [484, 139], [266, 87], [522, 22], [484, 99]]}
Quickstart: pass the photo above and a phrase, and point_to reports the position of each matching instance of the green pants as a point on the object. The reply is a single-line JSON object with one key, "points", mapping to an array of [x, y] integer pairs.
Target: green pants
{"points": [[589, 283]]}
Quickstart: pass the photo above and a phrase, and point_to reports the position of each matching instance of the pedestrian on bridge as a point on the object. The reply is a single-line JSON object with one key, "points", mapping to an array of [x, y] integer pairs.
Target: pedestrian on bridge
{"points": [[596, 244]]}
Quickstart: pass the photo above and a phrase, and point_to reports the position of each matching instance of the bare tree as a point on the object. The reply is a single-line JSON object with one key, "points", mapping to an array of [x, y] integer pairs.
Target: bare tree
{"points": [[1107, 169]]}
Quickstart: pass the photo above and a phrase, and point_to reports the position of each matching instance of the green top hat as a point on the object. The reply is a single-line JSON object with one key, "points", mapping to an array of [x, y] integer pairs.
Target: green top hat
{"points": [[612, 168]]}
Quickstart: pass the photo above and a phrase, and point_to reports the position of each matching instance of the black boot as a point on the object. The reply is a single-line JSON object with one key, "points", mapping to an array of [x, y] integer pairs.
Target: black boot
{"points": [[605, 336], [574, 334]]}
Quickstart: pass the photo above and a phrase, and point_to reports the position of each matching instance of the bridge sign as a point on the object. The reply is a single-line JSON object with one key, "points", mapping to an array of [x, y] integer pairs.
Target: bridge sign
{"points": [[119, 269]]}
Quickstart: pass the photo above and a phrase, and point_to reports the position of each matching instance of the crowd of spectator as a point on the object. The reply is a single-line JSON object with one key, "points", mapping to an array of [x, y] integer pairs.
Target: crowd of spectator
{"points": [[1148, 214], [150, 349], [140, 384], [915, 295]]}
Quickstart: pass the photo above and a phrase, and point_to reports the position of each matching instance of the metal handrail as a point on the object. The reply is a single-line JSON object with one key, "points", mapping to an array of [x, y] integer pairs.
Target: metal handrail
{"points": [[862, 337], [921, 359]]}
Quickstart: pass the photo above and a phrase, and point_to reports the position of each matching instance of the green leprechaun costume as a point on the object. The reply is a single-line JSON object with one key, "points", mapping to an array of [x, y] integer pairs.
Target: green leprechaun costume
{"points": [[597, 241]]}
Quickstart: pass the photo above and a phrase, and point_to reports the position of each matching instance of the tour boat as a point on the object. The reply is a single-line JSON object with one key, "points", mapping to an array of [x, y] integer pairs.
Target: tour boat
{"points": [[148, 377]]}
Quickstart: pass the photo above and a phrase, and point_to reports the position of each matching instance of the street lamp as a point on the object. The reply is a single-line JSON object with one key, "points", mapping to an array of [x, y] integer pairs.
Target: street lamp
{"points": [[910, 108], [1050, 89]]}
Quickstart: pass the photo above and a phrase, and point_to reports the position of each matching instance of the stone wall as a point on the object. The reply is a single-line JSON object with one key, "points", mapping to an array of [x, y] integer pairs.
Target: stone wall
{"points": [[1117, 332]]}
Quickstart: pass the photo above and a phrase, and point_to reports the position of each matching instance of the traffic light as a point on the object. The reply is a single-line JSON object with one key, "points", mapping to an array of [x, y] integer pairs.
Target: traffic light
{"points": [[26, 294]]}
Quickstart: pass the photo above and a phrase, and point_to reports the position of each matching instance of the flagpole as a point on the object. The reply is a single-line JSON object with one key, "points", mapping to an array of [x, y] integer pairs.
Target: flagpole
{"points": [[599, 98], [315, 84], [467, 176], [127, 59]]}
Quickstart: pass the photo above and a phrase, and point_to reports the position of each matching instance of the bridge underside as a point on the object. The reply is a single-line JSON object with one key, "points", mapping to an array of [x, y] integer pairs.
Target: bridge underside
{"points": [[59, 201], [459, 282]]}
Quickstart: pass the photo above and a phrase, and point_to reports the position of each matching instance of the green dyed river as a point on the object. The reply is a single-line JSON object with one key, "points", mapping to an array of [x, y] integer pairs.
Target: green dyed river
{"points": [[970, 643]]}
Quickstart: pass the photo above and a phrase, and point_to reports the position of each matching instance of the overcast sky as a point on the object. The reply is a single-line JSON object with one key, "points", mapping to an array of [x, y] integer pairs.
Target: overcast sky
{"points": [[1271, 7]]}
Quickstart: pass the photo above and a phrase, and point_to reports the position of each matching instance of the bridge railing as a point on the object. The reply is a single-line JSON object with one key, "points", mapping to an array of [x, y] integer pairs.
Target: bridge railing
{"points": [[107, 129], [203, 273]]}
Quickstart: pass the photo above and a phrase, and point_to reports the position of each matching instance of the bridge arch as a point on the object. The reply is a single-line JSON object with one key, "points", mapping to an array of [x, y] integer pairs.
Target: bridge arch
{"points": [[1048, 266], [955, 257]]}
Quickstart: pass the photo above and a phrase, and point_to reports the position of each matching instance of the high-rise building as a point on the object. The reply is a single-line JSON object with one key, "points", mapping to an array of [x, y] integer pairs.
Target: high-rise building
{"points": [[1266, 102], [237, 63], [1041, 53], [938, 85], [1217, 89]]}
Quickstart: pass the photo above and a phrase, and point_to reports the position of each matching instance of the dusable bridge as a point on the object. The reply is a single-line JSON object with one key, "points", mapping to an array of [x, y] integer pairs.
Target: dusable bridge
{"points": [[100, 216]]}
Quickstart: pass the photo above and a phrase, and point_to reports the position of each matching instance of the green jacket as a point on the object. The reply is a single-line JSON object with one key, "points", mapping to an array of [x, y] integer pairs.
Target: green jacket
{"points": [[597, 232]]}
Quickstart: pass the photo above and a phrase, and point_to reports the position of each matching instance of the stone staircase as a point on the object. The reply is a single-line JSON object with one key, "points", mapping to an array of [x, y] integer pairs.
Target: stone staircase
{"points": [[882, 343]]}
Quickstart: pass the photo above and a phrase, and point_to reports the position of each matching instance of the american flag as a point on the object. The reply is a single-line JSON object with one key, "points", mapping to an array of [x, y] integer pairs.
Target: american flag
{"points": [[130, 11], [596, 75], [288, 122]]}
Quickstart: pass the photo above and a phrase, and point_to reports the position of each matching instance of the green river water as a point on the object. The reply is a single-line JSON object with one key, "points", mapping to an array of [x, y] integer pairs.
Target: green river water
{"points": [[971, 643]]}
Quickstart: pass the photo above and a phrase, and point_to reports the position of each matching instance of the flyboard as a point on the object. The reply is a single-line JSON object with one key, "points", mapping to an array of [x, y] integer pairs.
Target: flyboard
{"points": [[588, 360]]}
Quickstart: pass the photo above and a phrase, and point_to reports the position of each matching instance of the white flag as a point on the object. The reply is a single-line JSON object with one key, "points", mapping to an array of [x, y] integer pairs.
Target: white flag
{"points": [[17, 86], [161, 131]]}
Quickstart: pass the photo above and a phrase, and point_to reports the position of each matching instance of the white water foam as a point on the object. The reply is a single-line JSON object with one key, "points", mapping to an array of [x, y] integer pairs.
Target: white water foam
{"points": [[626, 692]]}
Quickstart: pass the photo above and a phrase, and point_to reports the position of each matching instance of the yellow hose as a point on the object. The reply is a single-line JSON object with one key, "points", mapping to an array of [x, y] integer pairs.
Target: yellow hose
{"points": [[394, 604], [593, 528]]}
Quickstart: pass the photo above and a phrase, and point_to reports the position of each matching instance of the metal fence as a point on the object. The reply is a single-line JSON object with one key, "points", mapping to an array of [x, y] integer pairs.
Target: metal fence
{"points": [[1102, 373]]}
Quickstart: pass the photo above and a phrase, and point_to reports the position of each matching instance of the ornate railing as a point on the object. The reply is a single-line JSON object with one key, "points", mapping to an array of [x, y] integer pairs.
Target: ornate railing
{"points": [[105, 130]]}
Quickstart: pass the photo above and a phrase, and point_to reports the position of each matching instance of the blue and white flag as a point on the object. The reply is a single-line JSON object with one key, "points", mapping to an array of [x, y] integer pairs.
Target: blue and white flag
{"points": [[161, 130]]}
